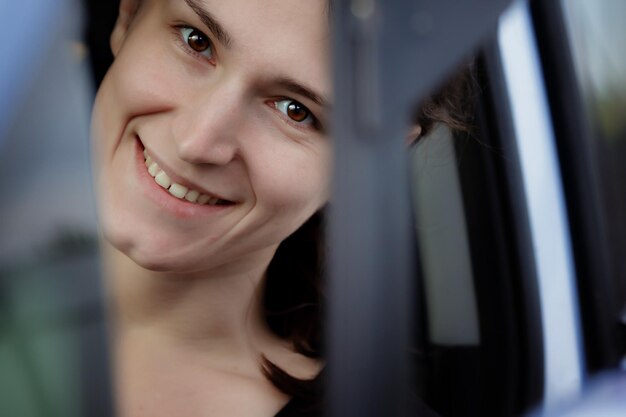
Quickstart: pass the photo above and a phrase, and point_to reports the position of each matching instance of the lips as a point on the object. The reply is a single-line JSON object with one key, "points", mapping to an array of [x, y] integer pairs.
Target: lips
{"points": [[180, 191]]}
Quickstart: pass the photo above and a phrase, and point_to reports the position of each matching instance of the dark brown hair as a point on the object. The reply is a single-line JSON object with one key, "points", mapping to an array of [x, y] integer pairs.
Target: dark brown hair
{"points": [[293, 303], [451, 105]]}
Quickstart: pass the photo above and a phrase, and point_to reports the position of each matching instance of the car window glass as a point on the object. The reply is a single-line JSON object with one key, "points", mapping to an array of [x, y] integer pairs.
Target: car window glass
{"points": [[597, 37], [444, 247]]}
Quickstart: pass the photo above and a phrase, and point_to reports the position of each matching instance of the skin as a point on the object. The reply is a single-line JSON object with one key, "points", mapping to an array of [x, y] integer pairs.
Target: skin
{"points": [[186, 280]]}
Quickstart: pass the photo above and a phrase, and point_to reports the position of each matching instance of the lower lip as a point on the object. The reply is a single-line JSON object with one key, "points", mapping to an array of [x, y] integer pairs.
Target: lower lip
{"points": [[167, 202]]}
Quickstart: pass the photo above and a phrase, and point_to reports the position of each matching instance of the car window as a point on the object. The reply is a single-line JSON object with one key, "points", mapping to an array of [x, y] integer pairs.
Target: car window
{"points": [[478, 343]]}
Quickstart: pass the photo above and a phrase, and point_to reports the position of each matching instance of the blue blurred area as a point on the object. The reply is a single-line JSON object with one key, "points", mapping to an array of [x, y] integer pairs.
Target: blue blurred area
{"points": [[28, 29], [604, 396], [44, 154], [53, 349]]}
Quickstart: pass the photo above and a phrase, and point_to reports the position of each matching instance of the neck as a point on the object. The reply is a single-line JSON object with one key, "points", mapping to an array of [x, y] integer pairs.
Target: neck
{"points": [[219, 312]]}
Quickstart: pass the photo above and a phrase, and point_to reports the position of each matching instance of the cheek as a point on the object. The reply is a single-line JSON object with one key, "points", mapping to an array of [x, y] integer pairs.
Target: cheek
{"points": [[293, 180], [146, 76], [142, 81]]}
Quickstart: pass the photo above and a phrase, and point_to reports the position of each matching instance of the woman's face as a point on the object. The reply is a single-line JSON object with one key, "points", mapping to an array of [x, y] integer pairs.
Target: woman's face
{"points": [[229, 101]]}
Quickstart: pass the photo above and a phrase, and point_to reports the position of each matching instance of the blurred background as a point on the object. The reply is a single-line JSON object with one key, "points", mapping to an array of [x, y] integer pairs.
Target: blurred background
{"points": [[53, 359]]}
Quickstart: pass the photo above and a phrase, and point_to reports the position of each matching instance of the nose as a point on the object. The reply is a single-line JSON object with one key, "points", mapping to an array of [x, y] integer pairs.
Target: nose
{"points": [[205, 129]]}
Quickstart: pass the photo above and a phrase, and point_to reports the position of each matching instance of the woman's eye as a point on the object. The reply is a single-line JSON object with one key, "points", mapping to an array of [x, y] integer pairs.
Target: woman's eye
{"points": [[197, 41], [295, 111]]}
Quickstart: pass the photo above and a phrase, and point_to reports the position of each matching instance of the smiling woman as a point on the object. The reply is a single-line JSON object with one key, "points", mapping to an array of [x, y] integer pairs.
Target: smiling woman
{"points": [[213, 169], [210, 151]]}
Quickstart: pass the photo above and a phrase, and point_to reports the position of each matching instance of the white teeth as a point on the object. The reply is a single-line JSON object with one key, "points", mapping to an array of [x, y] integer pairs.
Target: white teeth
{"points": [[178, 191], [163, 180], [175, 189], [153, 169], [192, 196], [203, 199]]}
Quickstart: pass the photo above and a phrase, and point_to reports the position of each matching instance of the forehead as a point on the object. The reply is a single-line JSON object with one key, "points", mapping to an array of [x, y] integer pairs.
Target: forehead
{"points": [[291, 37], [309, 17]]}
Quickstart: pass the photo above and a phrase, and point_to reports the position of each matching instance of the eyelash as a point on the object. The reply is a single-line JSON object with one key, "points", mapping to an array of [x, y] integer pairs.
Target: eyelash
{"points": [[178, 36], [313, 124]]}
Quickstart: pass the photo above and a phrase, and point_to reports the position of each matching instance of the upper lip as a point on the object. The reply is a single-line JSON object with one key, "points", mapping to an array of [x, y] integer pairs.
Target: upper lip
{"points": [[184, 181]]}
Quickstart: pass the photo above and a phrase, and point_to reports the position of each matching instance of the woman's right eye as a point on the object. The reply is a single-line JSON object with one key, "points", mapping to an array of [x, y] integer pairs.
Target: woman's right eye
{"points": [[197, 41]]}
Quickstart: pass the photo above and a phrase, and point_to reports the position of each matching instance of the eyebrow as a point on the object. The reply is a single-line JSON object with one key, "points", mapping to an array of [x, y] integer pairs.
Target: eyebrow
{"points": [[210, 22], [295, 87]]}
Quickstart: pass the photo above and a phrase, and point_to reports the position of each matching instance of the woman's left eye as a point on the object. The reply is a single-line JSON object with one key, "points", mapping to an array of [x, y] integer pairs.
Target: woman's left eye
{"points": [[295, 111], [197, 41]]}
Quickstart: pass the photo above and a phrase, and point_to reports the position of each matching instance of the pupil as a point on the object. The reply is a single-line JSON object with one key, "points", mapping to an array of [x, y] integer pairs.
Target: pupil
{"points": [[297, 112], [198, 41]]}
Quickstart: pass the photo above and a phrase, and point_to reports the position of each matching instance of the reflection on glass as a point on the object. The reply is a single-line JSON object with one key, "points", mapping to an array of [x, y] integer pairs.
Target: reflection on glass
{"points": [[444, 246], [598, 37]]}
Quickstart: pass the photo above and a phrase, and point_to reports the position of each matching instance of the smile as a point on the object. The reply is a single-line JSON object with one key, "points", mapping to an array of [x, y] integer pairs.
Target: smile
{"points": [[177, 190]]}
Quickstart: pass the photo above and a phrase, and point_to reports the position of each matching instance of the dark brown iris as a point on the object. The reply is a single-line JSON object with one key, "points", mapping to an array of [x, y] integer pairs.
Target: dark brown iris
{"points": [[198, 41], [297, 112]]}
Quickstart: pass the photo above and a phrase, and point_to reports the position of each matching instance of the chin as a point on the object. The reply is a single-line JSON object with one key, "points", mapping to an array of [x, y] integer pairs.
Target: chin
{"points": [[144, 253], [150, 260], [151, 255]]}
